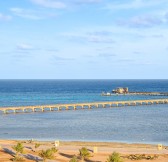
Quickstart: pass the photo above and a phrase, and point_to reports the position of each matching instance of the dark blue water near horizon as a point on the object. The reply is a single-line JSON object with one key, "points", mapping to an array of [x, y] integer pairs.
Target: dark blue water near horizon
{"points": [[135, 124], [37, 92]]}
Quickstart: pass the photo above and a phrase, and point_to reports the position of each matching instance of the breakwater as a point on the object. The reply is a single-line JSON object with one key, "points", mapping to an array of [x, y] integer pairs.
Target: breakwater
{"points": [[137, 93], [58, 107], [149, 93]]}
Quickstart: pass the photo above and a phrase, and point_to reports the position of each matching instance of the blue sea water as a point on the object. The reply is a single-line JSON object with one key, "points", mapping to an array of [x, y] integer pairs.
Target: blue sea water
{"points": [[135, 124]]}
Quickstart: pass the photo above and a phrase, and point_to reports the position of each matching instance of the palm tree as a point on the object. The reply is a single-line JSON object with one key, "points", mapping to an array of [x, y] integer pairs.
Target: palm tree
{"points": [[54, 149], [74, 159], [47, 154], [36, 146], [114, 157], [18, 148], [84, 153]]}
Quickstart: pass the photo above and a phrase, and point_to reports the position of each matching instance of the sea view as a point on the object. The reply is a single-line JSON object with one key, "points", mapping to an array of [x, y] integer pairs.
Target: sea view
{"points": [[130, 124], [83, 80]]}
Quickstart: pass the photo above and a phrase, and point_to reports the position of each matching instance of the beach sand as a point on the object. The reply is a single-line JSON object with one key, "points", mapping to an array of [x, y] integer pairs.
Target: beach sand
{"points": [[67, 150]]}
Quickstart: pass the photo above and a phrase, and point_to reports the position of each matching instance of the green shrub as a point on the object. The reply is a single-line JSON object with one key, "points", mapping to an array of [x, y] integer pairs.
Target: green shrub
{"points": [[46, 154], [141, 157], [114, 157], [84, 153], [37, 145], [74, 159], [54, 150], [18, 148]]}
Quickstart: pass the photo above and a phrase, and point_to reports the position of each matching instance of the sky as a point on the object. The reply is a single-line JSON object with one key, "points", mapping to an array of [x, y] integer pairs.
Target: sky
{"points": [[83, 39]]}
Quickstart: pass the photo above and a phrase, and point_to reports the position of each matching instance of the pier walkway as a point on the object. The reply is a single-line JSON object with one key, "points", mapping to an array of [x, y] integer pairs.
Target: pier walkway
{"points": [[58, 107]]}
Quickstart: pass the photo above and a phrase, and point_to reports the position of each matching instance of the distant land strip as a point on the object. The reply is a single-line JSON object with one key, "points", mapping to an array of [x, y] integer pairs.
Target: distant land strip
{"points": [[76, 106]]}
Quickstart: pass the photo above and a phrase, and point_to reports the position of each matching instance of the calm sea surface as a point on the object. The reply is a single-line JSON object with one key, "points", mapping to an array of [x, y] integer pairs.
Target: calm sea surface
{"points": [[135, 124]]}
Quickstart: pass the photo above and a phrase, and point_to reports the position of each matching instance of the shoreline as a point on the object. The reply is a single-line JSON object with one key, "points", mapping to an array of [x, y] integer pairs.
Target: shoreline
{"points": [[70, 148], [86, 141]]}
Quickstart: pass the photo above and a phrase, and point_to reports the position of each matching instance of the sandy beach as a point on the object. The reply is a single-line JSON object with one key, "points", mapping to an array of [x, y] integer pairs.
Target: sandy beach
{"points": [[66, 150]]}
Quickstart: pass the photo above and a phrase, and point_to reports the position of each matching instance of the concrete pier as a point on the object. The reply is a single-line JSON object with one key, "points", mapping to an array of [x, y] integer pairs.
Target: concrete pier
{"points": [[59, 107]]}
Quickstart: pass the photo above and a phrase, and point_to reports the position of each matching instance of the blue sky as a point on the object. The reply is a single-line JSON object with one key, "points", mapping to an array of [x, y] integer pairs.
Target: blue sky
{"points": [[84, 39]]}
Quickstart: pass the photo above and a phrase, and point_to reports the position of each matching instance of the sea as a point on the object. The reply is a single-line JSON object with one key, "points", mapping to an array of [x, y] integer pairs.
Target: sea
{"points": [[129, 124]]}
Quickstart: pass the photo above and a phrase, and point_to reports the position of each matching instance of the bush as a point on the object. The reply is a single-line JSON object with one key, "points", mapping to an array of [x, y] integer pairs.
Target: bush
{"points": [[74, 159], [47, 154], [84, 153], [54, 150], [18, 148], [114, 157], [141, 157], [37, 145]]}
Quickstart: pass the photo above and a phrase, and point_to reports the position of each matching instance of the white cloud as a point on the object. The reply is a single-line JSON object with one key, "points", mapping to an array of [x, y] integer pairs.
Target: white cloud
{"points": [[5, 17], [99, 39], [135, 4], [94, 37], [50, 3], [61, 4], [23, 47], [90, 1], [148, 20], [31, 14], [132, 4], [87, 1], [142, 21]]}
